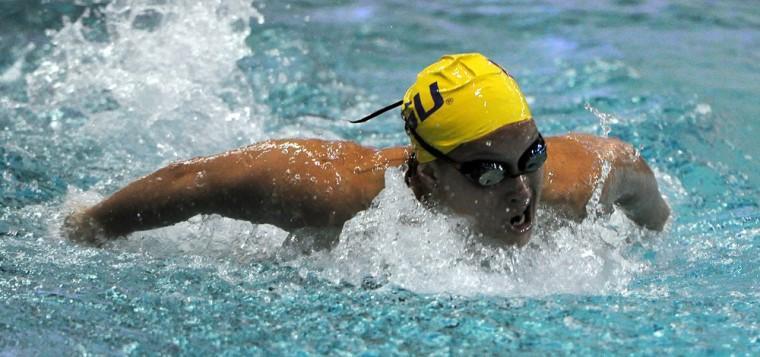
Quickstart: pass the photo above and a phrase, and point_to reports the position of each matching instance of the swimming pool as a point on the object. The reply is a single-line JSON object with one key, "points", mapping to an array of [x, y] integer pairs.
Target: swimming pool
{"points": [[96, 93]]}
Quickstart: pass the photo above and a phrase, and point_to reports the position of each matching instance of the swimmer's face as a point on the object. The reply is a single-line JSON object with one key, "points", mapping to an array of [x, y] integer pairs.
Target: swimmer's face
{"points": [[505, 211]]}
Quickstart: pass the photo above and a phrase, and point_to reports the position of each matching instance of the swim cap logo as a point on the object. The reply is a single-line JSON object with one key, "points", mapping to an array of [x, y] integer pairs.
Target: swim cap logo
{"points": [[478, 95], [422, 114]]}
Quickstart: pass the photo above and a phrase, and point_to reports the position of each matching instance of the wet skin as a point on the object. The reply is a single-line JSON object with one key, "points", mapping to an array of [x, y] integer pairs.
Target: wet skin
{"points": [[316, 183]]}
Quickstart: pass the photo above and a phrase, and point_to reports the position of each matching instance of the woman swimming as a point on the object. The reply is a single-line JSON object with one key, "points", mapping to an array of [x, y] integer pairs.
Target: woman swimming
{"points": [[475, 151]]}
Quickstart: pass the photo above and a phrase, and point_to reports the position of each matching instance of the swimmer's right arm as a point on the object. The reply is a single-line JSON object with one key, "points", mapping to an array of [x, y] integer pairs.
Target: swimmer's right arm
{"points": [[169, 195], [291, 184]]}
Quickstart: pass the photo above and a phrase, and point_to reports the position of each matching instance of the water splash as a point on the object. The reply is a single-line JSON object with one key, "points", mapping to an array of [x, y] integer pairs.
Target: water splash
{"points": [[606, 120], [152, 65], [398, 242]]}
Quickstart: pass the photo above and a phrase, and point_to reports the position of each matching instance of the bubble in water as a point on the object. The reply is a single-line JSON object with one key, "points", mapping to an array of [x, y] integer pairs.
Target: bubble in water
{"points": [[703, 109]]}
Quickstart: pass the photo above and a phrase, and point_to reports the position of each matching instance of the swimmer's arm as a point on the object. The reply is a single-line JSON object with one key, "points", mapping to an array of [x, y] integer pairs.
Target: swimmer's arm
{"points": [[258, 184], [632, 187], [231, 184], [167, 196]]}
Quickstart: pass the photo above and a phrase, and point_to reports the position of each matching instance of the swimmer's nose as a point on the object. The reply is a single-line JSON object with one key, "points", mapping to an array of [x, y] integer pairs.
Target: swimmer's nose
{"points": [[520, 195]]}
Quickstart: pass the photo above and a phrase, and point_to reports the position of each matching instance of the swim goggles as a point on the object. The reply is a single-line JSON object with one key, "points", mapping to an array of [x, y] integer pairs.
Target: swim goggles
{"points": [[481, 172]]}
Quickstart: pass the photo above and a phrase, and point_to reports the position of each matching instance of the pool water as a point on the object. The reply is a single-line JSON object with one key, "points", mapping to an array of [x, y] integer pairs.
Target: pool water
{"points": [[96, 93]]}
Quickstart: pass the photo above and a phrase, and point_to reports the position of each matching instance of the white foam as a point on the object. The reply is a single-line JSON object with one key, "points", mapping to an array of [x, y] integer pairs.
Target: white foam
{"points": [[172, 88], [397, 242]]}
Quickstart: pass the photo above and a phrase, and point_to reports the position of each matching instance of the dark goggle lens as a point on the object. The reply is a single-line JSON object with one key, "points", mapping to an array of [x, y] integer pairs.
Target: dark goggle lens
{"points": [[534, 157], [489, 173], [485, 173], [491, 177]]}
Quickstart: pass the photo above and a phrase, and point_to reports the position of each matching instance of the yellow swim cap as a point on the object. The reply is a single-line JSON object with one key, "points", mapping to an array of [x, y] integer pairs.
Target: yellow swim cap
{"points": [[458, 99]]}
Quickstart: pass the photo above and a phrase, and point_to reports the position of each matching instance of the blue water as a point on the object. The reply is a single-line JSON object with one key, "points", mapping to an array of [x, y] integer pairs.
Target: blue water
{"points": [[94, 94]]}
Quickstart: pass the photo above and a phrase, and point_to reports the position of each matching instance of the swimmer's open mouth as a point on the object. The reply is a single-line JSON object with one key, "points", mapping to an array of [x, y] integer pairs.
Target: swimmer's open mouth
{"points": [[522, 222]]}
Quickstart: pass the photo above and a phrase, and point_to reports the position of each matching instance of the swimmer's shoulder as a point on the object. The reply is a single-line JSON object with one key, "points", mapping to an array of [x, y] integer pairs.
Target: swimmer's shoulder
{"points": [[571, 151], [573, 168], [297, 144], [343, 154], [345, 150], [586, 149]]}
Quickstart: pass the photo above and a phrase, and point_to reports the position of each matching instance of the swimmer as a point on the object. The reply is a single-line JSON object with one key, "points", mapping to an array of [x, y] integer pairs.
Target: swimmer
{"points": [[475, 152]]}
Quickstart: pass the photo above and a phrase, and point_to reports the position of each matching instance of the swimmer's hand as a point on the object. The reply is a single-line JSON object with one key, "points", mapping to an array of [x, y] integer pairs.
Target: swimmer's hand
{"points": [[81, 228]]}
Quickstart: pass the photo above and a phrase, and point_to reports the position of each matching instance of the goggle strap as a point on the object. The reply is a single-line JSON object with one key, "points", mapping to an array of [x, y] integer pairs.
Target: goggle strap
{"points": [[429, 148], [378, 112]]}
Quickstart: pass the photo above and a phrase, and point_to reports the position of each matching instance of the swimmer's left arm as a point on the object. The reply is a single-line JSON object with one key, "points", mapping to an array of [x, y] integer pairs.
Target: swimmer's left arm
{"points": [[576, 166], [631, 185]]}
